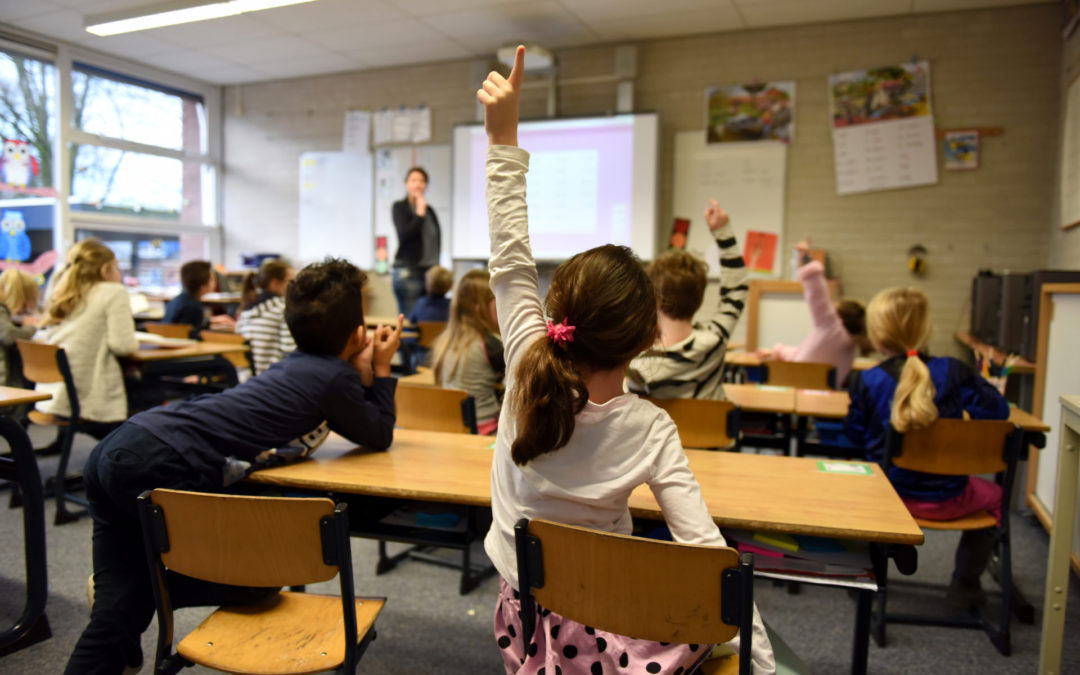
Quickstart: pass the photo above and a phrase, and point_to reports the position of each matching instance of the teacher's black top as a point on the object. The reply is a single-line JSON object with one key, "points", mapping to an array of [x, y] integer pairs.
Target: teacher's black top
{"points": [[419, 238]]}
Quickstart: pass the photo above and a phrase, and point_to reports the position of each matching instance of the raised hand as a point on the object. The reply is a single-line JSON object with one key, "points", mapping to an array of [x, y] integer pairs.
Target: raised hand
{"points": [[385, 342], [421, 205], [499, 96], [803, 247], [715, 216]]}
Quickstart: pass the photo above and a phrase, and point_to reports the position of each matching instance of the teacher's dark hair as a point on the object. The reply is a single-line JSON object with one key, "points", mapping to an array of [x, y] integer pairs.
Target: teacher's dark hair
{"points": [[419, 170]]}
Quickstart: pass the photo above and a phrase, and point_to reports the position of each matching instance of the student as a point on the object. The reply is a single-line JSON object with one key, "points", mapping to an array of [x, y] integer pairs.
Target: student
{"points": [[339, 374], [262, 321], [572, 445], [434, 305], [910, 390], [687, 359], [469, 353], [197, 280], [839, 330], [89, 315], [18, 296]]}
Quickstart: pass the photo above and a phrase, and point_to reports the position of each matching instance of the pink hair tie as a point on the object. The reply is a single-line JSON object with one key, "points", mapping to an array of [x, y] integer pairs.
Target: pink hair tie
{"points": [[560, 333], [913, 352]]}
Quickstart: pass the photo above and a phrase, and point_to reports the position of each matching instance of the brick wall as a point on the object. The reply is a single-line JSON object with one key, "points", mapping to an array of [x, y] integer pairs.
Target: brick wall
{"points": [[999, 67]]}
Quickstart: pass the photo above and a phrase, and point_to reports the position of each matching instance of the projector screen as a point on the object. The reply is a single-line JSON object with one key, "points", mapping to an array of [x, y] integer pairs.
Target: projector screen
{"points": [[591, 181]]}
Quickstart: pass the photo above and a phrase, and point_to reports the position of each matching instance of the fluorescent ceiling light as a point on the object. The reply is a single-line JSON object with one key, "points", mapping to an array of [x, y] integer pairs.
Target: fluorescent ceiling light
{"points": [[176, 12]]}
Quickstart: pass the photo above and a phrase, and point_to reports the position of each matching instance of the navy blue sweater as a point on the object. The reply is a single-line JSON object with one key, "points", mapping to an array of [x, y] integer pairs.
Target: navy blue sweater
{"points": [[958, 388], [186, 308], [283, 403]]}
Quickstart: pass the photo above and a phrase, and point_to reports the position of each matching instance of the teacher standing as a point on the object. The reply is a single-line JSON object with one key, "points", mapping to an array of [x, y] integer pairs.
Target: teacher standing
{"points": [[419, 240]]}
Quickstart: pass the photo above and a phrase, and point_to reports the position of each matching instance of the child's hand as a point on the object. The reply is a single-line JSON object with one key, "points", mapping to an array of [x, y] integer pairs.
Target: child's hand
{"points": [[803, 247], [362, 361], [715, 216], [763, 353], [385, 342], [499, 96], [223, 321]]}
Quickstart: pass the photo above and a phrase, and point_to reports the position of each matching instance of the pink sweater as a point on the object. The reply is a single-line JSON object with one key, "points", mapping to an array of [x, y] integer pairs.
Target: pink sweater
{"points": [[829, 341]]}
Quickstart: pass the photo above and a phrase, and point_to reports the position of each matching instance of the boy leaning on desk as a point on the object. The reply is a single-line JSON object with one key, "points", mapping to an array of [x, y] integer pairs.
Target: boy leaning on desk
{"points": [[338, 379]]}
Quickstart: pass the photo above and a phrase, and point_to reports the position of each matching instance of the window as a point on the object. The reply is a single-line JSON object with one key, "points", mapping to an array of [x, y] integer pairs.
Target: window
{"points": [[28, 125], [151, 261]]}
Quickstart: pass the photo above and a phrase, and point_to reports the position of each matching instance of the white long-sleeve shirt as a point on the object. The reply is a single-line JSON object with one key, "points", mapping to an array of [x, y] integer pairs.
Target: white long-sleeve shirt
{"points": [[98, 330], [615, 447]]}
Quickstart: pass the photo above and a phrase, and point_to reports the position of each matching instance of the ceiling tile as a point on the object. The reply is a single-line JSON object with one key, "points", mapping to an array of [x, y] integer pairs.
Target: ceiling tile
{"points": [[413, 53], [667, 24], [130, 45], [189, 62], [375, 34], [233, 75], [759, 13], [227, 31], [949, 5], [251, 52], [66, 24], [11, 10], [331, 63], [326, 14], [545, 22], [614, 10], [422, 7]]}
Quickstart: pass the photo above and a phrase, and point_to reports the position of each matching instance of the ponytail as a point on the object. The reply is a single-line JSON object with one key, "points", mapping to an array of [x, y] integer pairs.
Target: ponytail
{"points": [[913, 401], [248, 292], [550, 393]]}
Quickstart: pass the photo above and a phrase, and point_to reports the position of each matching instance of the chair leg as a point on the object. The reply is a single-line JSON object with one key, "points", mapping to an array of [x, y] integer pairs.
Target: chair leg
{"points": [[877, 627], [1002, 637], [63, 515]]}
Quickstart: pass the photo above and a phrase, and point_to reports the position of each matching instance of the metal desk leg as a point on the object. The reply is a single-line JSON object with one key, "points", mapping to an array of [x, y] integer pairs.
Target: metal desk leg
{"points": [[32, 626], [861, 651], [802, 428]]}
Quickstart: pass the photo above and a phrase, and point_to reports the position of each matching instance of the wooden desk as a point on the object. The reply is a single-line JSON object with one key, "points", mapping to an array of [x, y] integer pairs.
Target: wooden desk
{"points": [[750, 360], [379, 320], [423, 377], [21, 467], [759, 492], [1022, 366], [149, 352], [761, 398], [221, 299], [779, 494]]}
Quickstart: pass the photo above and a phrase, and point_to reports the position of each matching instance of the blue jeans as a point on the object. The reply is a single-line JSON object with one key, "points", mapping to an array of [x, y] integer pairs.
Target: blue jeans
{"points": [[127, 462], [408, 287]]}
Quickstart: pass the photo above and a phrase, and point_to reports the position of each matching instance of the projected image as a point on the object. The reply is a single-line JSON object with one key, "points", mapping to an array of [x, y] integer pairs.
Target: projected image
{"points": [[581, 187]]}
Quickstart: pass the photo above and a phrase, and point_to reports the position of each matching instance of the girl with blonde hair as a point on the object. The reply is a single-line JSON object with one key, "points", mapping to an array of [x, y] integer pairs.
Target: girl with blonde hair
{"points": [[18, 295], [89, 315], [469, 353], [909, 390]]}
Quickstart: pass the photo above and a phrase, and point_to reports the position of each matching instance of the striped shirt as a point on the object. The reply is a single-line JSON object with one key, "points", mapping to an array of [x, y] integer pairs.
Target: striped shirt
{"points": [[693, 367], [263, 324]]}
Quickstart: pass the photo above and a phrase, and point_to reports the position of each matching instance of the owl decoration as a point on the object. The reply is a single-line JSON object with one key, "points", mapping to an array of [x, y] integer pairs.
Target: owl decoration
{"points": [[14, 242], [18, 164]]}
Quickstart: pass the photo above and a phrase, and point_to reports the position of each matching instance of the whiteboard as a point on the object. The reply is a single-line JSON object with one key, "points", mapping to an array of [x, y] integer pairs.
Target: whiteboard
{"points": [[1070, 158], [1062, 377], [747, 179], [390, 167], [782, 318], [335, 207]]}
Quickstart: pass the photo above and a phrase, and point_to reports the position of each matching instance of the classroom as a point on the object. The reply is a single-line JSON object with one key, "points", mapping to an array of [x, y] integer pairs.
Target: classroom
{"points": [[210, 154]]}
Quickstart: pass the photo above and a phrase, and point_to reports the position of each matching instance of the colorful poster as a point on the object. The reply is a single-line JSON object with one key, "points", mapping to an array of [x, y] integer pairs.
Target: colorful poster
{"points": [[760, 111], [760, 250], [961, 150], [883, 128]]}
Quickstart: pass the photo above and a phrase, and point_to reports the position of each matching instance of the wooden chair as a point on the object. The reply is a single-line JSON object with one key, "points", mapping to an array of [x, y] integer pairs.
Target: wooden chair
{"points": [[47, 364], [798, 375], [429, 331], [643, 588], [435, 409], [703, 423], [239, 359], [266, 542], [169, 330], [954, 447]]}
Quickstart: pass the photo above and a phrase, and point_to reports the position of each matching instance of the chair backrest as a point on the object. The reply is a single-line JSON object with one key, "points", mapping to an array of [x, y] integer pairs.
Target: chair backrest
{"points": [[702, 423], [799, 375], [169, 330], [241, 540], [429, 330], [239, 359], [641, 588], [39, 361], [955, 447], [435, 409]]}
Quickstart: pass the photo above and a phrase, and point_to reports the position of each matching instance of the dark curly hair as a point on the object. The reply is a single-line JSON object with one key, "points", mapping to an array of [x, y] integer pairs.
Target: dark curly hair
{"points": [[324, 306]]}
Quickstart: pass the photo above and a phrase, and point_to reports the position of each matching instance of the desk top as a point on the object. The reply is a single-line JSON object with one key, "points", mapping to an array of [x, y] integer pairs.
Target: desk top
{"points": [[996, 355], [760, 398], [424, 377], [10, 396], [187, 352], [751, 360], [222, 298], [379, 320], [835, 404], [780, 494]]}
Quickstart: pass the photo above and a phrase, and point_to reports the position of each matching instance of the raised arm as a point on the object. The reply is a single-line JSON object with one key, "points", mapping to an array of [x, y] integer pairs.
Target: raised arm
{"points": [[513, 270], [733, 272]]}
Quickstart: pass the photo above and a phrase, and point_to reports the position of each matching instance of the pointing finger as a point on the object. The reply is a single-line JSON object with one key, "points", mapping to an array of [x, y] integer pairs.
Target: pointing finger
{"points": [[519, 68]]}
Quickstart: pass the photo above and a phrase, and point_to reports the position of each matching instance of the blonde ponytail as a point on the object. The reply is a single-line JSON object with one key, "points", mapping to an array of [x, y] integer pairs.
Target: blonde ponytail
{"points": [[86, 262], [913, 401], [898, 322]]}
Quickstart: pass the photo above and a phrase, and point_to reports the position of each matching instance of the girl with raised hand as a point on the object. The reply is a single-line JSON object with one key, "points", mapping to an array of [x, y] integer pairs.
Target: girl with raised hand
{"points": [[571, 445]]}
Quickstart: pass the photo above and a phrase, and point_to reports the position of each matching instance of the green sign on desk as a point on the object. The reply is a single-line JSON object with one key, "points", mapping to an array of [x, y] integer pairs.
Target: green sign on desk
{"points": [[852, 468]]}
